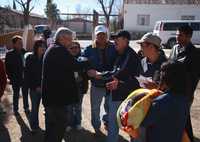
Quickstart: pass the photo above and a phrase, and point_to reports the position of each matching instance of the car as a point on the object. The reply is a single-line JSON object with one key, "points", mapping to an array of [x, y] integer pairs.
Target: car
{"points": [[166, 30], [39, 29]]}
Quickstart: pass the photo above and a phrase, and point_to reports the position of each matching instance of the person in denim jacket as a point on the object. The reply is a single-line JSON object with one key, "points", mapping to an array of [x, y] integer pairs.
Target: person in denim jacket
{"points": [[101, 55]]}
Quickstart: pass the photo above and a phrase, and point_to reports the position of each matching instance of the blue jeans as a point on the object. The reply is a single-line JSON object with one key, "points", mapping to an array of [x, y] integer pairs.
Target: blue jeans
{"points": [[96, 97], [75, 112], [35, 101], [113, 129]]}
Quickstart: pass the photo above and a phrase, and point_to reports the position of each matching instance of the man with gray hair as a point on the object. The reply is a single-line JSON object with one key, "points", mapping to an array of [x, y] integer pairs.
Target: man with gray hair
{"points": [[59, 87]]}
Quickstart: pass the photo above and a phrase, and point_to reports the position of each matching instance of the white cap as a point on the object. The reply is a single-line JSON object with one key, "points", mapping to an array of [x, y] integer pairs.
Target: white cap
{"points": [[100, 29]]}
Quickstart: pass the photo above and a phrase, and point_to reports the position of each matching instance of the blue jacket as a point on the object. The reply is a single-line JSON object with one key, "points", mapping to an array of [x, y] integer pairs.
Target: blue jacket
{"points": [[166, 119], [99, 63]]}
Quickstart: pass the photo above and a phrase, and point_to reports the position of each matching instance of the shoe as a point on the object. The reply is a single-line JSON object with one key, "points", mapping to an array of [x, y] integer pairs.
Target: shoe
{"points": [[36, 130], [79, 127], [27, 111], [16, 113], [98, 132], [68, 129], [105, 126]]}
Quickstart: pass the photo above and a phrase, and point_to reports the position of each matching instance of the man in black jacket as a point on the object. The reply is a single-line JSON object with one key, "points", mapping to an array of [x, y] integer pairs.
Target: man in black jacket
{"points": [[59, 88], [127, 66], [187, 53], [14, 63]]}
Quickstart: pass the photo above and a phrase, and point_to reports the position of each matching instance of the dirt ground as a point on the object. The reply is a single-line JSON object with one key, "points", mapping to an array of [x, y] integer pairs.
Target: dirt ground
{"points": [[17, 129]]}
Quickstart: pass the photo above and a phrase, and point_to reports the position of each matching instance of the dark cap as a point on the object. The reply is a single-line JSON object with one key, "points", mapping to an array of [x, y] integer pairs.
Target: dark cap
{"points": [[124, 34]]}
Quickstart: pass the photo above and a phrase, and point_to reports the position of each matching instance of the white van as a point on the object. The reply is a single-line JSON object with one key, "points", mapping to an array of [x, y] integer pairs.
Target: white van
{"points": [[166, 30]]}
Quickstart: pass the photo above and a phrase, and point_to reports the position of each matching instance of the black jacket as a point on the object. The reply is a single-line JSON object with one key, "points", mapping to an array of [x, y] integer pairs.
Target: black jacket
{"points": [[190, 56], [127, 66], [33, 71], [59, 87], [14, 63]]}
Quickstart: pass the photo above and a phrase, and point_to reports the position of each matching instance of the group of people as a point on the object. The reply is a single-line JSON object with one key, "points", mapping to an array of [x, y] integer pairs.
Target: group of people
{"points": [[59, 75]]}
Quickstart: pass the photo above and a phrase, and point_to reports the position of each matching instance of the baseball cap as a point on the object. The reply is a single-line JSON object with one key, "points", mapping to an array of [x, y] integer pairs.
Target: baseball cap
{"points": [[124, 34], [100, 29], [150, 38]]}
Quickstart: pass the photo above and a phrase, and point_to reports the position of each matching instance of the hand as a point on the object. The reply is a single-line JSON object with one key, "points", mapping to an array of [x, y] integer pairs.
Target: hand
{"points": [[38, 89], [150, 85], [93, 73], [113, 84]]}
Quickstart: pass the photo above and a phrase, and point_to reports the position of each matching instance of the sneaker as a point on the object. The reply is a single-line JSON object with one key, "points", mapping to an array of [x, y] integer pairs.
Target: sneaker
{"points": [[16, 113], [98, 132], [79, 127], [27, 111], [68, 128]]}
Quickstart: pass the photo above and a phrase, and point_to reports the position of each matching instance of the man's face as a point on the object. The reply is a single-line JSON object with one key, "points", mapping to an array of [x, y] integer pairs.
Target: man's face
{"points": [[146, 48], [121, 43], [66, 40], [182, 38], [18, 44], [74, 49], [101, 38]]}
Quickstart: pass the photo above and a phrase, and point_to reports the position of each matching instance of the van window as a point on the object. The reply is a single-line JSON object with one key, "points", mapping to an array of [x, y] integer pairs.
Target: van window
{"points": [[172, 26], [195, 26]]}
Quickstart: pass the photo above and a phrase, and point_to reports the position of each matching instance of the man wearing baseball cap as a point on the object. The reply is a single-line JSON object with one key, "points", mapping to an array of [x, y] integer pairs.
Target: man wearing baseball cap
{"points": [[153, 58], [127, 66], [101, 54]]}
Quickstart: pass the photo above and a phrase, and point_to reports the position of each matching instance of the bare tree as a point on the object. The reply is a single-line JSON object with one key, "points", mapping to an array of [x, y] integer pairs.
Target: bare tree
{"points": [[26, 9], [107, 6], [52, 13]]}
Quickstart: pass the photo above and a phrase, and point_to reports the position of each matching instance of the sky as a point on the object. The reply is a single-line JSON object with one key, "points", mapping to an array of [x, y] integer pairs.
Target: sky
{"points": [[65, 6]]}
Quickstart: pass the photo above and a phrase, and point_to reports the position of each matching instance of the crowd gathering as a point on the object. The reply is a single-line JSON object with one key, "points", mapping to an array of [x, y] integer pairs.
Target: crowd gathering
{"points": [[58, 74]]}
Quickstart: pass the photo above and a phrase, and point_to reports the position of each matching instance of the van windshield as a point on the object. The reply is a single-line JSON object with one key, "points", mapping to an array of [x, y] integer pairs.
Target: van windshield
{"points": [[172, 26]]}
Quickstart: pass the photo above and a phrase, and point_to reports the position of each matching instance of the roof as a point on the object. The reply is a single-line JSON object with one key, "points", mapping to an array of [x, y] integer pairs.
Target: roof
{"points": [[79, 20], [179, 21], [189, 2], [21, 13]]}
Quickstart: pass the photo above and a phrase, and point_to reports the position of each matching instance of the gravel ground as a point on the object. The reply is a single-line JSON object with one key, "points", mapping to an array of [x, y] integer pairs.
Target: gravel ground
{"points": [[17, 129]]}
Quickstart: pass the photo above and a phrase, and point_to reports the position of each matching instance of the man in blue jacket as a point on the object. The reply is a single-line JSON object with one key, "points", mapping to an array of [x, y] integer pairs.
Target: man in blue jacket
{"points": [[101, 55]]}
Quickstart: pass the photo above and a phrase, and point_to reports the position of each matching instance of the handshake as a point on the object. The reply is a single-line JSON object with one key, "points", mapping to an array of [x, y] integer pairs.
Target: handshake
{"points": [[105, 75]]}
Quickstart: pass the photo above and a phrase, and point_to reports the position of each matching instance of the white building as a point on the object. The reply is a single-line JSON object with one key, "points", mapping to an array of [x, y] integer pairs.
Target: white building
{"points": [[141, 15]]}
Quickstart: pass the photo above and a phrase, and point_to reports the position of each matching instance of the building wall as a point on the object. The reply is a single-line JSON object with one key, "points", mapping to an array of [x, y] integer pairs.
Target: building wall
{"points": [[156, 12]]}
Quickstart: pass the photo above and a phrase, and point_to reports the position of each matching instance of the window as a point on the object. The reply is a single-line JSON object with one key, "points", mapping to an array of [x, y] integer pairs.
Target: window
{"points": [[172, 26], [143, 20], [195, 26], [187, 17]]}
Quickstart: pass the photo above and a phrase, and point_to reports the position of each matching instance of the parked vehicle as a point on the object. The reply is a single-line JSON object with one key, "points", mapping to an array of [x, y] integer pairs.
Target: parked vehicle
{"points": [[166, 30], [38, 29]]}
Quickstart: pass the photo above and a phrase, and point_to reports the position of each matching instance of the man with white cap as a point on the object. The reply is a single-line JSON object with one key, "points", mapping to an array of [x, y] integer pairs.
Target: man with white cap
{"points": [[101, 55]]}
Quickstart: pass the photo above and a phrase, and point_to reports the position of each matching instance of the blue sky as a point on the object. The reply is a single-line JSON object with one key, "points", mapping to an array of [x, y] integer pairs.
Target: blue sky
{"points": [[65, 6]]}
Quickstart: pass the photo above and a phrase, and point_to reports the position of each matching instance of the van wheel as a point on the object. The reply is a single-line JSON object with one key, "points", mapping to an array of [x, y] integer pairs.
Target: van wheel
{"points": [[171, 42]]}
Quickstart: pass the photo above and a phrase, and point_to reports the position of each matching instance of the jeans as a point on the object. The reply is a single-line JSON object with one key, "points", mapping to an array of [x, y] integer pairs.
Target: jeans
{"points": [[16, 91], [56, 122], [75, 112], [113, 129], [96, 98], [35, 101]]}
